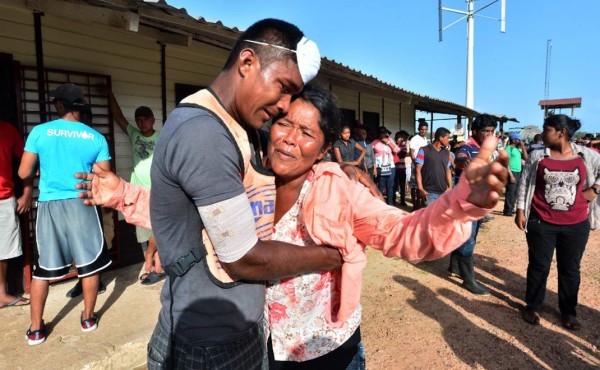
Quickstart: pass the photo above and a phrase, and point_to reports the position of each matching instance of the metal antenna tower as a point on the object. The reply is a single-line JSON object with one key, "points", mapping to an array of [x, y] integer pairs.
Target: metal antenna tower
{"points": [[547, 78], [470, 16]]}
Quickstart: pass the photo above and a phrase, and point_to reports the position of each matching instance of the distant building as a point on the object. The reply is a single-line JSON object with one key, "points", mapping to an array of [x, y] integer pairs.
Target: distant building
{"points": [[549, 106]]}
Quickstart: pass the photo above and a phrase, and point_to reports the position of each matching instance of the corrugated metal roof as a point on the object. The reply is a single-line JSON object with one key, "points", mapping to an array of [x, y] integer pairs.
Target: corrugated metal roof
{"points": [[421, 102], [160, 14]]}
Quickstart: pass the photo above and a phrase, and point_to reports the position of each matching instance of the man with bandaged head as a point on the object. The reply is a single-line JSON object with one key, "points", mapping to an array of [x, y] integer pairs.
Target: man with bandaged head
{"points": [[212, 206]]}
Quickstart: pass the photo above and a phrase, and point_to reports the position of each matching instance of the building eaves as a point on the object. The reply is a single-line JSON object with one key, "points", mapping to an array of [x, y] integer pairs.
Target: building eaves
{"points": [[331, 68], [503, 118], [166, 18], [560, 103]]}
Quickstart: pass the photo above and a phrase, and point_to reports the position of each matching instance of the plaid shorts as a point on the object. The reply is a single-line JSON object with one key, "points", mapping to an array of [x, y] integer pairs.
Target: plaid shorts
{"points": [[246, 353]]}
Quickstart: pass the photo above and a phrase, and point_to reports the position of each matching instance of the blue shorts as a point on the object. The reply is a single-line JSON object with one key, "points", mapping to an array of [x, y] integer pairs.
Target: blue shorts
{"points": [[67, 231]]}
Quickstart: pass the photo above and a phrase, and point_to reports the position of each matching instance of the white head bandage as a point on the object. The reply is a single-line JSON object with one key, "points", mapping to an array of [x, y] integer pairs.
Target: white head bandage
{"points": [[307, 53]]}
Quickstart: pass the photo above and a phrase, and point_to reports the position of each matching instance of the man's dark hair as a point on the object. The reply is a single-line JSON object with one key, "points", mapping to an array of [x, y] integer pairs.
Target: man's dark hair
{"points": [[270, 31], [560, 121], [329, 114], [483, 120], [143, 111], [440, 133], [422, 123], [537, 138]]}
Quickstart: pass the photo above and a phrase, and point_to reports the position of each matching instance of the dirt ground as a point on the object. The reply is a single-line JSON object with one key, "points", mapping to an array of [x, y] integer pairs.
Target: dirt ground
{"points": [[416, 317]]}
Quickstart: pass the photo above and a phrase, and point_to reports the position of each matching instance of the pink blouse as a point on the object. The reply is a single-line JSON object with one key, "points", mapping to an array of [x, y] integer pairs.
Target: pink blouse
{"points": [[300, 308], [384, 152]]}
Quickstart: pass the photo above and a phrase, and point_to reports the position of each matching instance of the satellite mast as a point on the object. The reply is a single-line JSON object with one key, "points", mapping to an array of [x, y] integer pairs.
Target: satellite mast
{"points": [[547, 78], [470, 16]]}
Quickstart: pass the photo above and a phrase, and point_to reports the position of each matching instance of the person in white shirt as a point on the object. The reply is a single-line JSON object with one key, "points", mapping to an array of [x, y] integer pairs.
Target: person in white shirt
{"points": [[417, 142]]}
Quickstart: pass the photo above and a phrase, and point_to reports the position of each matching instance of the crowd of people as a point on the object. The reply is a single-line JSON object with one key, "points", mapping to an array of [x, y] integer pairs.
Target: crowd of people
{"points": [[275, 234]]}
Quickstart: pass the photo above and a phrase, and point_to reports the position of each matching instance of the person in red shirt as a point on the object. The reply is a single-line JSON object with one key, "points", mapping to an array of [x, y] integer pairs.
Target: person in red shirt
{"points": [[557, 205], [11, 148]]}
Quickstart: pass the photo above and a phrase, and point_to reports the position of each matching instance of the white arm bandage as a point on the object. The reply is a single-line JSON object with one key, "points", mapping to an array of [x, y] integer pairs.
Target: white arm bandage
{"points": [[230, 227]]}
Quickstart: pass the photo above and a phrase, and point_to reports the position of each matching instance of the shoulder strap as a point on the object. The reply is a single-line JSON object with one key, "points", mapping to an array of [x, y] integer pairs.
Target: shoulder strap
{"points": [[197, 254], [218, 119]]}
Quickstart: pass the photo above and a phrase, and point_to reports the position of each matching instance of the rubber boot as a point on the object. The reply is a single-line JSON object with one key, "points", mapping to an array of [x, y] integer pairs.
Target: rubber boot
{"points": [[468, 274], [454, 268]]}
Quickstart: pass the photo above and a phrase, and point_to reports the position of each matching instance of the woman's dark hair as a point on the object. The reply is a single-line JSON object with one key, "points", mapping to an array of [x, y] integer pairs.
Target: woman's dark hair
{"points": [[269, 31], [329, 113], [562, 121], [402, 133], [440, 133]]}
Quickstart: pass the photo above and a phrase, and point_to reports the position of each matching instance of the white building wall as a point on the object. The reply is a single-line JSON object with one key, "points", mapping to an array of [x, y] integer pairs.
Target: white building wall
{"points": [[370, 103], [347, 98], [408, 118], [198, 65], [16, 34], [391, 115]]}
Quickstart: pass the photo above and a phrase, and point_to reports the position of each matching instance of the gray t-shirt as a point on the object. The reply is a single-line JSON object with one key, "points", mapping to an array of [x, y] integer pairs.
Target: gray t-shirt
{"points": [[346, 150], [195, 164]]}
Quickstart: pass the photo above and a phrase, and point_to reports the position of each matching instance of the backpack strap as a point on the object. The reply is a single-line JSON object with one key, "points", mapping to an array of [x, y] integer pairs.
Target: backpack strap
{"points": [[197, 253]]}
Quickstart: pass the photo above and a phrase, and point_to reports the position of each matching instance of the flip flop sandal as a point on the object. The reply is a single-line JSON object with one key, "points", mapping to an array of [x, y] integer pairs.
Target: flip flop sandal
{"points": [[144, 276], [14, 302], [153, 278]]}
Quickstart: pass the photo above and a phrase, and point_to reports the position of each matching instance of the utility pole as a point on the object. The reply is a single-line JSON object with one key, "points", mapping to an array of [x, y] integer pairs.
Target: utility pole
{"points": [[470, 16], [547, 77], [470, 101]]}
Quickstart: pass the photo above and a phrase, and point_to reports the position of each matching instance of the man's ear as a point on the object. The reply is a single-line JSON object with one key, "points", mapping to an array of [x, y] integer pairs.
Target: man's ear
{"points": [[248, 61], [59, 106]]}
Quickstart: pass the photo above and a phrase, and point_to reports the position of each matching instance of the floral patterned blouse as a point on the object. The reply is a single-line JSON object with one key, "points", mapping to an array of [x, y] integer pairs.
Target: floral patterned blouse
{"points": [[299, 309]]}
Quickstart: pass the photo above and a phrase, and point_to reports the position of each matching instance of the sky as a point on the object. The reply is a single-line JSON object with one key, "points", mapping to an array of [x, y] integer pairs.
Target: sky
{"points": [[396, 41]]}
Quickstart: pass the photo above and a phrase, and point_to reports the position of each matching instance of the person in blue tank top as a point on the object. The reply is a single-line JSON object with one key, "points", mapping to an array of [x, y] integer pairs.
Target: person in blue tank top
{"points": [[66, 230]]}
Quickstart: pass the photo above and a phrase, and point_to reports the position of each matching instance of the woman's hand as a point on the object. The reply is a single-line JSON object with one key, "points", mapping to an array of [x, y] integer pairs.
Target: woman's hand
{"points": [[487, 179], [100, 186], [589, 194], [520, 219], [362, 177]]}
